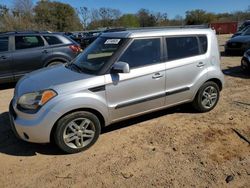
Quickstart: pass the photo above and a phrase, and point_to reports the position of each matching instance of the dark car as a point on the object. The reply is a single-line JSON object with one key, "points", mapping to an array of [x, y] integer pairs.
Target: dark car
{"points": [[238, 44], [245, 61], [23, 52], [244, 25], [241, 31], [85, 41]]}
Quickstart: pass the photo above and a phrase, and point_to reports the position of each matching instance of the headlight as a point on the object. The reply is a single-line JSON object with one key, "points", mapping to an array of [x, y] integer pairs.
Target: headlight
{"points": [[33, 101]]}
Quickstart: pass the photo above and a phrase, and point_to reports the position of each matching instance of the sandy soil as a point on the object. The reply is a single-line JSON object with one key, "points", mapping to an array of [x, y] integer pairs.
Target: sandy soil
{"points": [[170, 148]]}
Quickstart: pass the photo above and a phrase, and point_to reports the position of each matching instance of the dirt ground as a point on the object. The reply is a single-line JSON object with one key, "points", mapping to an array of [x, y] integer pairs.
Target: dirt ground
{"points": [[171, 148]]}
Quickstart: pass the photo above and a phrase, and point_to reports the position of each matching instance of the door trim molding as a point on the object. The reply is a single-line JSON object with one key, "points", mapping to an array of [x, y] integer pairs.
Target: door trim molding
{"points": [[177, 91], [167, 93], [129, 103]]}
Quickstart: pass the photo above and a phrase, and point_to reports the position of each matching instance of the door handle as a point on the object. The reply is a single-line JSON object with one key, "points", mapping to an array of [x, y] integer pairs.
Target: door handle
{"points": [[3, 57], [200, 64], [157, 75], [45, 51]]}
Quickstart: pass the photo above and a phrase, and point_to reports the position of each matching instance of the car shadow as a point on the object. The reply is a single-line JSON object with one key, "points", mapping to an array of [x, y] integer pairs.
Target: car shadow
{"points": [[11, 145], [236, 72], [185, 108]]}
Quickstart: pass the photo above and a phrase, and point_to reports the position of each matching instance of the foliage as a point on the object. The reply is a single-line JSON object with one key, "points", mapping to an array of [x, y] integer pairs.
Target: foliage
{"points": [[57, 16], [129, 20], [198, 16], [146, 19]]}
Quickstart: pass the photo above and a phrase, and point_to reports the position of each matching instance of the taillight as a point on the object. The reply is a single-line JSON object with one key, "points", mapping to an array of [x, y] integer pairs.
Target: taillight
{"points": [[75, 48]]}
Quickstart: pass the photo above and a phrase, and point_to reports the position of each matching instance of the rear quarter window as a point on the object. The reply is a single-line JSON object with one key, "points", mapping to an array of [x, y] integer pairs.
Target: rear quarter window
{"points": [[203, 42], [52, 40]]}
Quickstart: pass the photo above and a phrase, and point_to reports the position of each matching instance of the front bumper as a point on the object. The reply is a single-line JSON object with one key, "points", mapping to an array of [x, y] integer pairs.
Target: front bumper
{"points": [[12, 117], [34, 129], [240, 48]]}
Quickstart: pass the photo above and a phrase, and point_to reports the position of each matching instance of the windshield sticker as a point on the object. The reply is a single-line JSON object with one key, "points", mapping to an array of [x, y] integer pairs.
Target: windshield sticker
{"points": [[112, 41]]}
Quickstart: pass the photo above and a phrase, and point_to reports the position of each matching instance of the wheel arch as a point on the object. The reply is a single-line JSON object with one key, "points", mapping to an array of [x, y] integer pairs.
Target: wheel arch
{"points": [[54, 60], [217, 81], [95, 112]]}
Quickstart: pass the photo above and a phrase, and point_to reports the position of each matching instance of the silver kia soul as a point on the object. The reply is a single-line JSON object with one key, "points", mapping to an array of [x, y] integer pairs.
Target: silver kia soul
{"points": [[119, 76]]}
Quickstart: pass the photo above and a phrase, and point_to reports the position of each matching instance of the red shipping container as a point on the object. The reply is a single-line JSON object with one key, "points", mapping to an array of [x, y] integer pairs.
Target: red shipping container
{"points": [[225, 27]]}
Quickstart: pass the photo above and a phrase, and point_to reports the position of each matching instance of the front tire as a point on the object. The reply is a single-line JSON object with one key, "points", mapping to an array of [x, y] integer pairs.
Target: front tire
{"points": [[207, 97], [77, 131]]}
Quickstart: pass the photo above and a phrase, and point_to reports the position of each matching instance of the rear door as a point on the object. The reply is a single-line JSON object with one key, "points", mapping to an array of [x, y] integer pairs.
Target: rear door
{"points": [[63, 49], [186, 67], [141, 90], [5, 60], [29, 54]]}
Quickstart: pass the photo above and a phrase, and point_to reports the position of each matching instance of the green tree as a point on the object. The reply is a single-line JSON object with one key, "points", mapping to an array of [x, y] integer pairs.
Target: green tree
{"points": [[146, 19], [56, 16], [129, 20], [198, 16]]}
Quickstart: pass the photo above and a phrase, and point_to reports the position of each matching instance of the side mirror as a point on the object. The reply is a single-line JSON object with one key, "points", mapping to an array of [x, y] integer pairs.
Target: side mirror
{"points": [[120, 67]]}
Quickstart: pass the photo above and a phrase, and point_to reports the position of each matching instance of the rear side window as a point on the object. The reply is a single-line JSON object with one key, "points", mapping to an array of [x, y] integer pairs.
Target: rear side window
{"points": [[182, 47], [24, 42], [203, 42], [4, 44], [52, 40], [142, 52]]}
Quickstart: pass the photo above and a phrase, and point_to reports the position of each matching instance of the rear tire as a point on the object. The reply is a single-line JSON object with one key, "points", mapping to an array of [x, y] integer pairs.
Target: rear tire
{"points": [[245, 65], [77, 131], [207, 97]]}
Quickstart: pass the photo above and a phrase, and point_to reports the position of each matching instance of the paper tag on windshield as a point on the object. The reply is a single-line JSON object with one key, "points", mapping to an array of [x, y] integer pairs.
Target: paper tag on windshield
{"points": [[112, 41]]}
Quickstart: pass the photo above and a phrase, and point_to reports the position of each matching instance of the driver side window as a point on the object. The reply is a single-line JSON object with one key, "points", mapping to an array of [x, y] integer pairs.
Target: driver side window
{"points": [[142, 52]]}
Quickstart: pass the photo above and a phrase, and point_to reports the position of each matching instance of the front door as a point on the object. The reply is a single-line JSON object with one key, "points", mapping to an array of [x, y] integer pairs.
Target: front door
{"points": [[5, 60], [141, 90], [29, 54]]}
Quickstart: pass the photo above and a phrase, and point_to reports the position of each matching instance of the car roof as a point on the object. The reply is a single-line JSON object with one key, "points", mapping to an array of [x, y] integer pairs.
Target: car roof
{"points": [[157, 32], [30, 33]]}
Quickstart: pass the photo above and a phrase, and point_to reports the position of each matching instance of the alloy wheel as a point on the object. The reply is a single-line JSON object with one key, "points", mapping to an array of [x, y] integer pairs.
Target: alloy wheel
{"points": [[79, 133], [209, 97]]}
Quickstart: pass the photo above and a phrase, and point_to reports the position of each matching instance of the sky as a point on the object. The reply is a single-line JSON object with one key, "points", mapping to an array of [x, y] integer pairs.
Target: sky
{"points": [[171, 7]]}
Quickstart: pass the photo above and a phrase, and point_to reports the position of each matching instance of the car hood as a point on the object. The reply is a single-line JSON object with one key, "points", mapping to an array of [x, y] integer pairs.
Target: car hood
{"points": [[55, 77], [240, 39]]}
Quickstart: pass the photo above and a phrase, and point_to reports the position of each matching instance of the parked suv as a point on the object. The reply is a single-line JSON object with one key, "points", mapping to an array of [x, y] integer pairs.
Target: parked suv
{"points": [[119, 76], [23, 52]]}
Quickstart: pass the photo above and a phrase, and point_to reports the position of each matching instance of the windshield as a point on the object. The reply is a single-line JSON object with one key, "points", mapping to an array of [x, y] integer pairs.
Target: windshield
{"points": [[97, 54], [246, 32]]}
